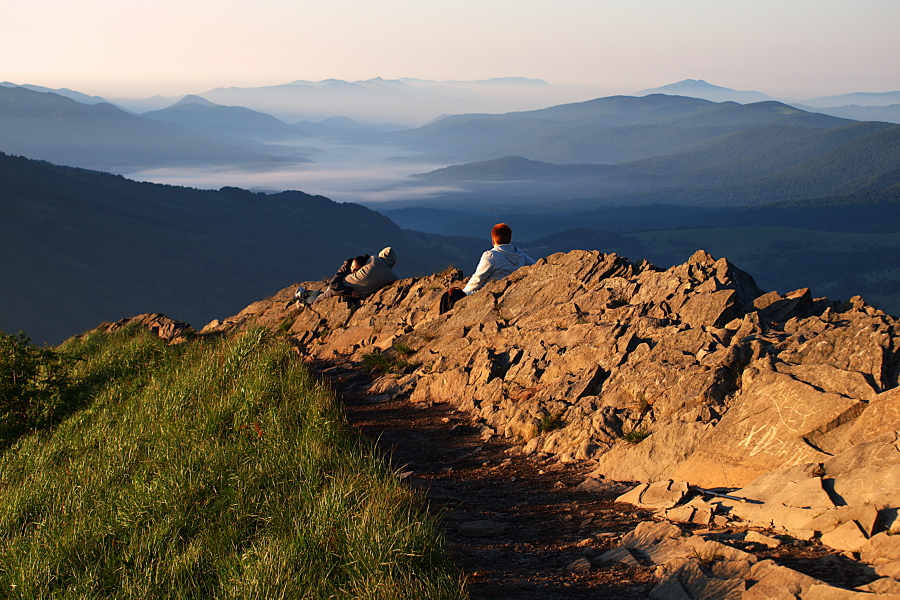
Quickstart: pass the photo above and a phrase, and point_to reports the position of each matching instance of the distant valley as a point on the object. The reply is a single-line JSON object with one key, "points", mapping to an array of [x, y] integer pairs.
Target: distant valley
{"points": [[797, 197], [620, 150]]}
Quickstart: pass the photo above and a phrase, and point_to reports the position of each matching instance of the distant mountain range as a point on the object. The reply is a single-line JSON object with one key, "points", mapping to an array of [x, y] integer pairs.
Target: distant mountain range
{"points": [[410, 102], [604, 130], [72, 94], [100, 136], [585, 174], [856, 98], [606, 151], [193, 132], [414, 102], [611, 130], [199, 114], [697, 88], [787, 159], [860, 106], [401, 102], [888, 114]]}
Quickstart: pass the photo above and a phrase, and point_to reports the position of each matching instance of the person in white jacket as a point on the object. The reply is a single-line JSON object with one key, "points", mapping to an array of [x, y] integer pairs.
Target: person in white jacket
{"points": [[499, 261]]}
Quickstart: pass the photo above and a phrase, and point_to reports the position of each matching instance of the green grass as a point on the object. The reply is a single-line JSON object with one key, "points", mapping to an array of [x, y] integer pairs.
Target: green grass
{"points": [[403, 349], [214, 469], [636, 435], [381, 363], [708, 558], [550, 422]]}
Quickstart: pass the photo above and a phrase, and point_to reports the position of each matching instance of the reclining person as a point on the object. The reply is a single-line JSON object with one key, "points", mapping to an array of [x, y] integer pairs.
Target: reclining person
{"points": [[349, 266], [499, 261], [360, 280]]}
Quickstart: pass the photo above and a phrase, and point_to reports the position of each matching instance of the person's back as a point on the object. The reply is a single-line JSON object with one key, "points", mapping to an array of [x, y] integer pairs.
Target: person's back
{"points": [[498, 262], [374, 275]]}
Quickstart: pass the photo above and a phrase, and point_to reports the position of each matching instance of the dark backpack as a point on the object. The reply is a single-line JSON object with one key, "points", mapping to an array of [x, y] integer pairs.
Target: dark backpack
{"points": [[449, 299]]}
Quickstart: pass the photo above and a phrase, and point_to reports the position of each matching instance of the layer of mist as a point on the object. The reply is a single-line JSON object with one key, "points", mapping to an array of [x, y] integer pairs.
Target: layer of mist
{"points": [[342, 171]]}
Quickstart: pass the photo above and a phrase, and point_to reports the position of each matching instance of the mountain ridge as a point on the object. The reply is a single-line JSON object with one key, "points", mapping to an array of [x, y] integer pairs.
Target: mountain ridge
{"points": [[858, 98], [698, 88], [102, 136], [199, 114], [543, 131], [744, 164], [409, 102]]}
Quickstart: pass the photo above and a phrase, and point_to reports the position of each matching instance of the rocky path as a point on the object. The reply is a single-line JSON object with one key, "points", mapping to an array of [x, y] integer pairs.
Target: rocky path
{"points": [[516, 525], [519, 526]]}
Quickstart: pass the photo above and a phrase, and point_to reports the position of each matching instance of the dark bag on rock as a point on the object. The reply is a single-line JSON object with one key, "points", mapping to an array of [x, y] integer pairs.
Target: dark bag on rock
{"points": [[449, 298]]}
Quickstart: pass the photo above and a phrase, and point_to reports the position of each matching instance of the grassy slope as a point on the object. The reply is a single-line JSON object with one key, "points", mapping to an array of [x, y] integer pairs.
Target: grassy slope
{"points": [[208, 470]]}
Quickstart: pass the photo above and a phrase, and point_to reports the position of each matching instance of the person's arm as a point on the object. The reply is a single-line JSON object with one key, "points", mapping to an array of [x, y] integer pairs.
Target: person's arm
{"points": [[337, 282], [481, 275]]}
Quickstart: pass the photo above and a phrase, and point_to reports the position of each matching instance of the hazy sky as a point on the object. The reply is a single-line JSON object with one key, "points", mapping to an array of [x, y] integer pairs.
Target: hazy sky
{"points": [[786, 48]]}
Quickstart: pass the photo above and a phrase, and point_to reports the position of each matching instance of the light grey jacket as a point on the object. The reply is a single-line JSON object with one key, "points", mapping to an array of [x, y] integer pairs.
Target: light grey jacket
{"points": [[373, 275], [497, 263]]}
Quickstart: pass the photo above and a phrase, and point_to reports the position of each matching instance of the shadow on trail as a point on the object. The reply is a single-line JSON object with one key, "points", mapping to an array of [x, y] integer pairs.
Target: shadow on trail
{"points": [[516, 523]]}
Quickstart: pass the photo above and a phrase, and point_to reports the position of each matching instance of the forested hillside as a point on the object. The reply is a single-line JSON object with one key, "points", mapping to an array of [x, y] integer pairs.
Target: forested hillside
{"points": [[80, 247], [756, 165]]}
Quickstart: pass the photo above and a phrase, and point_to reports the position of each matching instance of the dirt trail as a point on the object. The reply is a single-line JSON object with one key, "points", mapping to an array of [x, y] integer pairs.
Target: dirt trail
{"points": [[538, 523], [547, 525]]}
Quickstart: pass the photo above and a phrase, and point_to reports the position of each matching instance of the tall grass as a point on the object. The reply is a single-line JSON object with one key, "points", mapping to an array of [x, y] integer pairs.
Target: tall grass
{"points": [[208, 470]]}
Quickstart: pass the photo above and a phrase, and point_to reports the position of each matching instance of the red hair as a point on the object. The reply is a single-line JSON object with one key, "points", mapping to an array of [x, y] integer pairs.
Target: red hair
{"points": [[501, 233]]}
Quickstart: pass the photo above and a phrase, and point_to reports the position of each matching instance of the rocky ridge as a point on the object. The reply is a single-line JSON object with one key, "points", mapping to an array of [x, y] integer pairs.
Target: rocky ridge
{"points": [[689, 380]]}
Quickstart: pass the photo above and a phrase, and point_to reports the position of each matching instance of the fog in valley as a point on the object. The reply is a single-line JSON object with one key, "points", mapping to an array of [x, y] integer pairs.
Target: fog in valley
{"points": [[342, 171]]}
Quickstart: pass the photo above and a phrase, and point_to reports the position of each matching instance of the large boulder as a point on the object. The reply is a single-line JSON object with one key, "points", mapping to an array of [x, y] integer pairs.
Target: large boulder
{"points": [[768, 426]]}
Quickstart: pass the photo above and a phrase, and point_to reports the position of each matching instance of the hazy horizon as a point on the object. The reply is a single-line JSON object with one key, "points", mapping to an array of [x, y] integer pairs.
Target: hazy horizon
{"points": [[795, 50]]}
